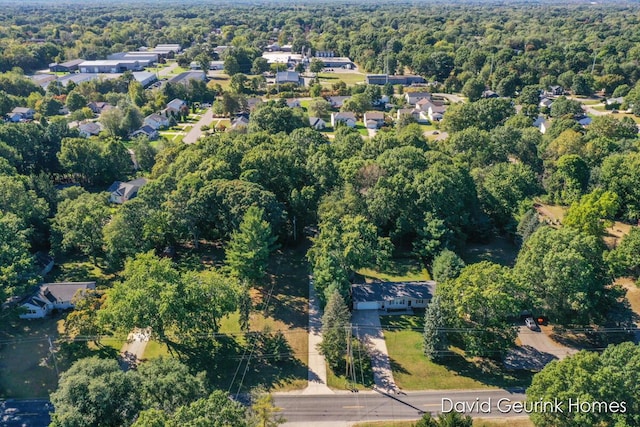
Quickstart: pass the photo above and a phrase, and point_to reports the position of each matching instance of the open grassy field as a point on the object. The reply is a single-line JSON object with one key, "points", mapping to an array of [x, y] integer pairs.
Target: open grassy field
{"points": [[477, 422], [350, 78], [399, 270], [413, 371]]}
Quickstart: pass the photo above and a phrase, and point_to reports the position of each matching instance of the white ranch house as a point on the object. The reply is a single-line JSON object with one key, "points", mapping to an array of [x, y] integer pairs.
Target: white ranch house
{"points": [[392, 295]]}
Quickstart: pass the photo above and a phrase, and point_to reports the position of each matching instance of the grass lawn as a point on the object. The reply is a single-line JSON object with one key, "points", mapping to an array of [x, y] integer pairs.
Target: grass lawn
{"points": [[413, 371], [26, 367], [340, 382], [362, 130], [477, 422], [399, 270], [349, 78], [499, 250], [79, 269]]}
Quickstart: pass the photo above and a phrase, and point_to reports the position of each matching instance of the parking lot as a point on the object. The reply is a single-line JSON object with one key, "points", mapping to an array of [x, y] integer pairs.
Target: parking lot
{"points": [[25, 413]]}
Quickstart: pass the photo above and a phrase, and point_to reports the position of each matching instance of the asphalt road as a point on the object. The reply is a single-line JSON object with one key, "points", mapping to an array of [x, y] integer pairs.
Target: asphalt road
{"points": [[25, 413], [345, 408]]}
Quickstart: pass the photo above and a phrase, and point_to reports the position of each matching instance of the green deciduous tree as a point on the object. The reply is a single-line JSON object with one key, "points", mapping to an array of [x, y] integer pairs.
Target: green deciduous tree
{"points": [[590, 377], [95, 392], [482, 298], [593, 212], [17, 269], [78, 224], [564, 274]]}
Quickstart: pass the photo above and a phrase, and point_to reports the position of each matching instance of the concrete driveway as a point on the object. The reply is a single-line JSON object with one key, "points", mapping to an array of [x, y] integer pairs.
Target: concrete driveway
{"points": [[366, 326], [317, 376], [536, 351]]}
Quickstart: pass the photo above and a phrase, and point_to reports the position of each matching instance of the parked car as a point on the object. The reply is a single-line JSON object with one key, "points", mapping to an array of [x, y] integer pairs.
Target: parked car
{"points": [[531, 323]]}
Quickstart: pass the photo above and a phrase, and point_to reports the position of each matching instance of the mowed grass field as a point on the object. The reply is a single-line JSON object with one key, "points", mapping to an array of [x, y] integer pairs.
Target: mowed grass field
{"points": [[349, 78], [413, 371]]}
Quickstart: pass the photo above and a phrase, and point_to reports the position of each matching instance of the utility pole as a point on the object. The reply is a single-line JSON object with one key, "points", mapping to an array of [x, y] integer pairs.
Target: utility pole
{"points": [[53, 356]]}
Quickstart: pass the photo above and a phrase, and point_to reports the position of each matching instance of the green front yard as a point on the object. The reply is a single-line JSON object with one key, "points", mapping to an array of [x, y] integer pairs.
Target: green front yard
{"points": [[413, 371]]}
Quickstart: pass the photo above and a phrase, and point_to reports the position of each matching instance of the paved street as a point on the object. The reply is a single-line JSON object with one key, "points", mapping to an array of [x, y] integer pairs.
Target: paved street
{"points": [[195, 132], [25, 413], [368, 329], [317, 376], [344, 408]]}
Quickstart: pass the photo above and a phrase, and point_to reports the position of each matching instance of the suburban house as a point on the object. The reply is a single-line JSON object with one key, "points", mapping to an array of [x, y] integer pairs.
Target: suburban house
{"points": [[156, 121], [556, 90], [337, 101], [216, 65], [545, 103], [65, 67], [53, 296], [288, 77], [585, 121], [252, 103], [147, 131], [435, 109], [392, 295], [177, 106], [124, 191], [542, 124], [21, 113], [240, 122], [346, 117], [293, 103], [412, 98], [184, 78], [374, 119], [419, 115], [89, 129], [489, 94], [317, 123], [98, 106], [615, 102]]}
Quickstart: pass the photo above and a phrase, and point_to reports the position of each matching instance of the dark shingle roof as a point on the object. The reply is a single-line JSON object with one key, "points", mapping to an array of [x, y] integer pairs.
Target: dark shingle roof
{"points": [[384, 291]]}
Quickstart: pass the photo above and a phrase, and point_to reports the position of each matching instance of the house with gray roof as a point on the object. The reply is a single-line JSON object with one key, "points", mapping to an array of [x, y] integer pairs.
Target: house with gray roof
{"points": [[392, 295], [187, 76], [53, 296], [125, 191], [346, 117], [90, 129], [288, 77]]}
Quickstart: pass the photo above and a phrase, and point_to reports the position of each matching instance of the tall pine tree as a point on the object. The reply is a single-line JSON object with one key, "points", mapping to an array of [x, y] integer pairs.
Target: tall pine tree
{"points": [[335, 322], [435, 339], [248, 255]]}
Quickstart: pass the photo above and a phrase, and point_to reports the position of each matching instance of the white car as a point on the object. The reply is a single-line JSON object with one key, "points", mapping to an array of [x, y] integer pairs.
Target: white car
{"points": [[531, 323]]}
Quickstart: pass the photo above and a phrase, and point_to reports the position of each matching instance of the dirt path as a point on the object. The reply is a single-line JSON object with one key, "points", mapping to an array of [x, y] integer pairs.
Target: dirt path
{"points": [[133, 350]]}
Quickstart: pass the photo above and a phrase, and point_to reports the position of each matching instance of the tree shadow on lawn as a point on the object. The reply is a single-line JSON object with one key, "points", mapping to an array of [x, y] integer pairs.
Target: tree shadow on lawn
{"points": [[288, 302], [70, 351], [487, 371], [237, 368]]}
